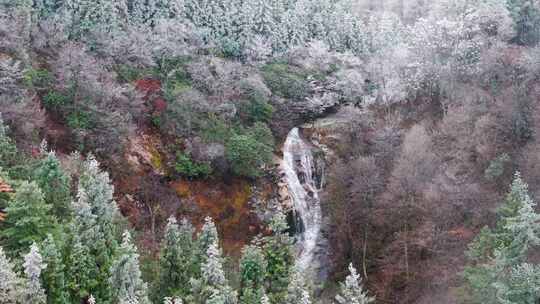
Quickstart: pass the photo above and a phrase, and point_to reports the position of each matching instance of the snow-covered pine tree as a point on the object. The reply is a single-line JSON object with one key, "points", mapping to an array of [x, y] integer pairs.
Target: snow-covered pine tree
{"points": [[523, 227], [214, 275], [111, 16], [231, 32], [53, 277], [200, 12], [25, 11], [94, 221], [9, 155], [10, 283], [352, 291], [213, 287], [87, 16], [33, 266], [166, 9], [521, 287], [505, 274], [81, 276], [252, 266], [264, 20], [95, 190], [293, 28], [526, 14], [45, 8], [344, 30], [279, 256], [217, 19], [68, 15], [297, 289], [178, 261], [208, 235], [252, 274], [500, 254], [212, 271], [141, 14], [28, 219], [55, 184], [126, 278]]}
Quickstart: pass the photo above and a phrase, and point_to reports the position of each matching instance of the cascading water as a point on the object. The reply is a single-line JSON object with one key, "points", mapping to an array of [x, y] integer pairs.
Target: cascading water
{"points": [[298, 167]]}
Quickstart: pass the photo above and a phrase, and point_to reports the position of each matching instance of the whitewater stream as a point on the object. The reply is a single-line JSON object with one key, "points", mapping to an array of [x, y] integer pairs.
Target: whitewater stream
{"points": [[298, 167]]}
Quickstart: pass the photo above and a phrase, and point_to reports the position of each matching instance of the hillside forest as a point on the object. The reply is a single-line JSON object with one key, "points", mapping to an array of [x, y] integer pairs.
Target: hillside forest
{"points": [[269, 151]]}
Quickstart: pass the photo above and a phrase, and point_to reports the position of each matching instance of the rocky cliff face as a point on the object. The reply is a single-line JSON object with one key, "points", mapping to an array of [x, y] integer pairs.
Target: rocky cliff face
{"points": [[292, 114]]}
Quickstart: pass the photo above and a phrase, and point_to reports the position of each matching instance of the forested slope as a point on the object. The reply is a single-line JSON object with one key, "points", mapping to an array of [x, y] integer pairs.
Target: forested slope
{"points": [[142, 143]]}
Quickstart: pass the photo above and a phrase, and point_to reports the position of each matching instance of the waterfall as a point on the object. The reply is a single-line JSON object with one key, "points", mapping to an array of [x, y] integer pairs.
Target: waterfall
{"points": [[298, 166]]}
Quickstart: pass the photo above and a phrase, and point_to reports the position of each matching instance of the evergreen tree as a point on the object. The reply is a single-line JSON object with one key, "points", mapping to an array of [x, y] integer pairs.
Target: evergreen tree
{"points": [[165, 9], [87, 16], [53, 277], [252, 274], [9, 155], [5, 197], [112, 15], [68, 15], [522, 228], [33, 265], [297, 289], [352, 291], [500, 254], [207, 236], [521, 286], [264, 20], [45, 8], [212, 270], [141, 13], [55, 184], [10, 284], [126, 281], [82, 272], [279, 257], [28, 219], [178, 261], [94, 222], [526, 14], [25, 12], [213, 286]]}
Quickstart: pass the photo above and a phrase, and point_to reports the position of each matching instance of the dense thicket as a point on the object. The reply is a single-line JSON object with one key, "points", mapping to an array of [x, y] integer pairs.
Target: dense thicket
{"points": [[80, 255]]}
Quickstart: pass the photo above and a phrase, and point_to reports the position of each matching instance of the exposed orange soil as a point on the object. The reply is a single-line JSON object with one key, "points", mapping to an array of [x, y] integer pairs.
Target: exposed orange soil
{"points": [[227, 204]]}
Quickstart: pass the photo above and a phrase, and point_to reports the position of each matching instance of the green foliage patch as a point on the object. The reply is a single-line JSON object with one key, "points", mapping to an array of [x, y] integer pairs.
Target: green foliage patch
{"points": [[186, 166], [37, 78], [80, 120], [285, 81], [127, 73], [55, 100], [249, 150], [256, 108]]}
